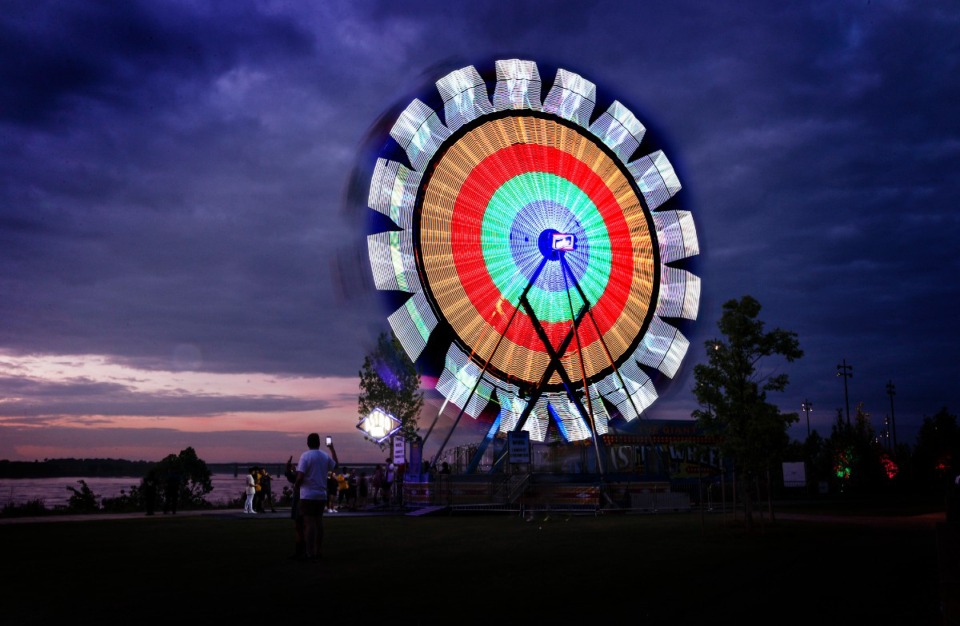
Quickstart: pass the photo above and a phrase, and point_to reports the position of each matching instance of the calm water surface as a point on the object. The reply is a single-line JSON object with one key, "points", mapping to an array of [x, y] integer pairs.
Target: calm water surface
{"points": [[54, 492]]}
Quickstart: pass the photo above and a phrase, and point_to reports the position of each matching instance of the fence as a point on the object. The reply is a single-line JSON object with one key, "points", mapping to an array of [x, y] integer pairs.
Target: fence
{"points": [[520, 492]]}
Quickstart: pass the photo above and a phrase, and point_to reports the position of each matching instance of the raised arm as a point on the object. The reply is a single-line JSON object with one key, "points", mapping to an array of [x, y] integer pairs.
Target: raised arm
{"points": [[290, 470]]}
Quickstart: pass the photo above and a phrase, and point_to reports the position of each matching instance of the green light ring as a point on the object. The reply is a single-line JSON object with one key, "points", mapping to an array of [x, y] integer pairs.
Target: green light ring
{"points": [[503, 209]]}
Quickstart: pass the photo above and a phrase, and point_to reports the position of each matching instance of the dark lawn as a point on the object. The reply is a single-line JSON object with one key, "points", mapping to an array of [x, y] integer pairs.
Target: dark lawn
{"points": [[462, 569]]}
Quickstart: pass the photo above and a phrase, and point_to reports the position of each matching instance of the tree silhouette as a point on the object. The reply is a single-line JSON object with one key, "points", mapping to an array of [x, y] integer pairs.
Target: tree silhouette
{"points": [[732, 391], [390, 381], [192, 474], [937, 452]]}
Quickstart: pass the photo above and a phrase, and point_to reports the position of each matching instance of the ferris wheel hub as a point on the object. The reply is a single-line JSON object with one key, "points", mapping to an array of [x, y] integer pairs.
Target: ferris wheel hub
{"points": [[552, 242]]}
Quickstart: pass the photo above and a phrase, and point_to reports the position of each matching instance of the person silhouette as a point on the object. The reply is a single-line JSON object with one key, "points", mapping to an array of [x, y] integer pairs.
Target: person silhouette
{"points": [[311, 481], [150, 491], [171, 491], [250, 492], [300, 546], [266, 491]]}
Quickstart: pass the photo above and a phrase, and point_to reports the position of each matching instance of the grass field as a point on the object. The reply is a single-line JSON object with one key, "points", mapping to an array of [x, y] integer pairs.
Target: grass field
{"points": [[477, 569]]}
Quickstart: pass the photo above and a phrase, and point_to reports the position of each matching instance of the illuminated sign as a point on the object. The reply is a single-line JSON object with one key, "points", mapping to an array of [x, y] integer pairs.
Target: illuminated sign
{"points": [[399, 451], [379, 425]]}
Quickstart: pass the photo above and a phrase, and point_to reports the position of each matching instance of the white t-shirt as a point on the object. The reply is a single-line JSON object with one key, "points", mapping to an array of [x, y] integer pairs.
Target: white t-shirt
{"points": [[315, 464], [251, 485]]}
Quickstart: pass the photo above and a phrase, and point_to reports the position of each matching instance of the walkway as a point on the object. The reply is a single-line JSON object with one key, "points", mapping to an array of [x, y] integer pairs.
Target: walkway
{"points": [[282, 513]]}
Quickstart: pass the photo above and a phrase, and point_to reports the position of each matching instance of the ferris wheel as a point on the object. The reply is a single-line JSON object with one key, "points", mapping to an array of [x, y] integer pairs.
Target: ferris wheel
{"points": [[527, 230]]}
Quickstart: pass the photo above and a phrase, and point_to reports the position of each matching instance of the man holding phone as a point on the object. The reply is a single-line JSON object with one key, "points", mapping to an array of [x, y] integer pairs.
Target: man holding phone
{"points": [[311, 482]]}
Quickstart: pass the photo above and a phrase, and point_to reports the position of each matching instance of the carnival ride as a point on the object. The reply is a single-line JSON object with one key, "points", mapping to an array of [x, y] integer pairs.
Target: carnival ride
{"points": [[527, 230]]}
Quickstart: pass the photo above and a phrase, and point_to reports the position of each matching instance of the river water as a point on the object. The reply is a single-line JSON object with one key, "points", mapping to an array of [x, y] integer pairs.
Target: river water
{"points": [[54, 492]]}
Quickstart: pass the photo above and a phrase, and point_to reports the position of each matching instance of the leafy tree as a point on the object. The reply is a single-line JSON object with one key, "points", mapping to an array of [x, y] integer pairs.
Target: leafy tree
{"points": [[936, 455], [732, 391], [856, 457], [192, 474], [812, 447], [390, 381], [811, 452]]}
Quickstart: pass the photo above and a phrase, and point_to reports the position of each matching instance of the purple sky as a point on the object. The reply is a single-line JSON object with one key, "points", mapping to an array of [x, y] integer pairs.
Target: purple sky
{"points": [[182, 258]]}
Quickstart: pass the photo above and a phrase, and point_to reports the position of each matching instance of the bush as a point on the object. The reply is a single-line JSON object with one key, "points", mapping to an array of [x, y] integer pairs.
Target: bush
{"points": [[125, 502], [83, 500], [33, 508]]}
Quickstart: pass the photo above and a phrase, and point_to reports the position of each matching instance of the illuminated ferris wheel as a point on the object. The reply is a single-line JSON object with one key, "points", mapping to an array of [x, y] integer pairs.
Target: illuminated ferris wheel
{"points": [[529, 233]]}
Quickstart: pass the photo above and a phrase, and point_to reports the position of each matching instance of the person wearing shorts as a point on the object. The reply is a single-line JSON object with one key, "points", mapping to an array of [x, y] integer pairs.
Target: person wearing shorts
{"points": [[311, 482]]}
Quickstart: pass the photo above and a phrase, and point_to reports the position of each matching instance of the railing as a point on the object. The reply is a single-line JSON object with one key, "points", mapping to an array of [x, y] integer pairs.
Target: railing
{"points": [[537, 492], [512, 488]]}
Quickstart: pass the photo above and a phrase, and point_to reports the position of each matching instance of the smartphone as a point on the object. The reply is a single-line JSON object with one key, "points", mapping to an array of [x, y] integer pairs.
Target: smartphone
{"points": [[329, 440]]}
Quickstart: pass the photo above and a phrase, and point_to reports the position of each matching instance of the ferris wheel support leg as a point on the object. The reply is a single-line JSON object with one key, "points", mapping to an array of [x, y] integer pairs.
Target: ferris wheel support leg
{"points": [[434, 423], [482, 448], [554, 364], [513, 316], [523, 297], [583, 373], [606, 349]]}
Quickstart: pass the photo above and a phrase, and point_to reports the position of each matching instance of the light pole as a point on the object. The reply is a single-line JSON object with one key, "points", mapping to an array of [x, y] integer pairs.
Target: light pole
{"points": [[847, 372], [891, 391], [807, 407]]}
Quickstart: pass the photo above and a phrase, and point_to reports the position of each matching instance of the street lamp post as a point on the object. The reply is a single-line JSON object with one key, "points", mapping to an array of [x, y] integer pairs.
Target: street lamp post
{"points": [[847, 372], [891, 391], [807, 407]]}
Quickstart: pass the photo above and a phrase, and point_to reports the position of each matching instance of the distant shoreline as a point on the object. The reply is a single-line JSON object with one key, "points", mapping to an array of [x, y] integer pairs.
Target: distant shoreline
{"points": [[122, 468]]}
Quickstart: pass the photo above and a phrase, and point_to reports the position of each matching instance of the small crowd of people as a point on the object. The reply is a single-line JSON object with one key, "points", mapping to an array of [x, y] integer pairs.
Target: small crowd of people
{"points": [[346, 490], [320, 486], [382, 483], [259, 492]]}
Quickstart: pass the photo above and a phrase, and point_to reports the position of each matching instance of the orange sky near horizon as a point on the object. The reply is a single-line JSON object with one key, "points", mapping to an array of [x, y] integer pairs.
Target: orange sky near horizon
{"points": [[87, 428]]}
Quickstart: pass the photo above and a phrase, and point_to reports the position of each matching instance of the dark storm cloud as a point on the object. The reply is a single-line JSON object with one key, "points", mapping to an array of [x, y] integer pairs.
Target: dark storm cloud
{"points": [[844, 227], [54, 57], [158, 195], [193, 176]]}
